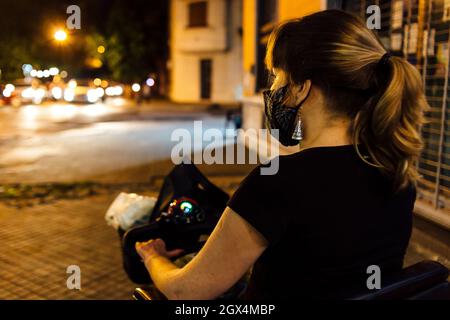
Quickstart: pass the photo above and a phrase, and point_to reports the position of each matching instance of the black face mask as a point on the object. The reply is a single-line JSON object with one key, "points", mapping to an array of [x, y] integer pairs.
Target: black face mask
{"points": [[281, 117]]}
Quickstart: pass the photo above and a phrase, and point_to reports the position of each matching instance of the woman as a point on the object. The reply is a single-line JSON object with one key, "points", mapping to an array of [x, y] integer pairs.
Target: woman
{"points": [[343, 202]]}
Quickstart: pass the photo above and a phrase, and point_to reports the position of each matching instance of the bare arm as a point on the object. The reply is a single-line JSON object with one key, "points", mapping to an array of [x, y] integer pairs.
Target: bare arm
{"points": [[232, 248]]}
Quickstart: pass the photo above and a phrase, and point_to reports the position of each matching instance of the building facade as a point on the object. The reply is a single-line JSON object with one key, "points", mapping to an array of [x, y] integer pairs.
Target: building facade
{"points": [[205, 51]]}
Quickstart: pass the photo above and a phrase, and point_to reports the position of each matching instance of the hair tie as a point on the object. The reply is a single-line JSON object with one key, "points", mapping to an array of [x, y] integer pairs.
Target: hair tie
{"points": [[384, 59]]}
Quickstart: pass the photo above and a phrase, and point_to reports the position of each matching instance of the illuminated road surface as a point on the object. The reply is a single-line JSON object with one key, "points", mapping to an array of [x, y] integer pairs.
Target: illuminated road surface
{"points": [[62, 142]]}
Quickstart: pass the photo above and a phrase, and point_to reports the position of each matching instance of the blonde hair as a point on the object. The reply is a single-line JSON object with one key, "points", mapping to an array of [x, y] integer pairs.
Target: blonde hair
{"points": [[383, 97]]}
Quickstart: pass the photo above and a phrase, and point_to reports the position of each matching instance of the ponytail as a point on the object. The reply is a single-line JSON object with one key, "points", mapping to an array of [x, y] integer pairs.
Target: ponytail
{"points": [[388, 126]]}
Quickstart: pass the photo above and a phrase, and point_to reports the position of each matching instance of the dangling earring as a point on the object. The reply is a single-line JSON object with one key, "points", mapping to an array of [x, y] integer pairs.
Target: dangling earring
{"points": [[298, 131]]}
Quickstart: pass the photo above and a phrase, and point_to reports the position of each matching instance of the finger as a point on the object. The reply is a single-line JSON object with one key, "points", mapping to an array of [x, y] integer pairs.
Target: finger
{"points": [[174, 253], [139, 248]]}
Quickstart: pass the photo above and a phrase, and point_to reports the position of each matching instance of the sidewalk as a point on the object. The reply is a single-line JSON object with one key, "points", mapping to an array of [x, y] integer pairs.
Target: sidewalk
{"points": [[39, 243]]}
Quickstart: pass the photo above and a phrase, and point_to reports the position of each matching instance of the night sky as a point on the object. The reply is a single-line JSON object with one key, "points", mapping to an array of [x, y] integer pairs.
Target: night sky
{"points": [[135, 33]]}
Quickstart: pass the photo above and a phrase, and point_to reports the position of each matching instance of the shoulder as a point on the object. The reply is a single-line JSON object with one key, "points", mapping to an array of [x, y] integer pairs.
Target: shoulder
{"points": [[285, 164]]}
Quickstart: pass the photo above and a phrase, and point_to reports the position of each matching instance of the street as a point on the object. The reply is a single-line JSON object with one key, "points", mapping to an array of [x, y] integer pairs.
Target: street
{"points": [[59, 142]]}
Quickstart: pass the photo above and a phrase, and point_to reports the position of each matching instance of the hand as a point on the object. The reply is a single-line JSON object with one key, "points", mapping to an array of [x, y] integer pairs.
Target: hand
{"points": [[153, 248]]}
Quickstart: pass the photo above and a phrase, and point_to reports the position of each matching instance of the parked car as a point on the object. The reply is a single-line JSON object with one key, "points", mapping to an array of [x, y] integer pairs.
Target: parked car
{"points": [[21, 92], [82, 90]]}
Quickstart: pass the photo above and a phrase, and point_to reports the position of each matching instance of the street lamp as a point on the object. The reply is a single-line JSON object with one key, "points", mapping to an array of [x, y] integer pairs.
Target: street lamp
{"points": [[101, 49], [60, 35]]}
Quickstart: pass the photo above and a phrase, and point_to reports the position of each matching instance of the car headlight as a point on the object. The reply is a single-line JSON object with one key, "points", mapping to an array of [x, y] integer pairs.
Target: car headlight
{"points": [[119, 90], [100, 92], [92, 95], [69, 95], [40, 93], [57, 93], [109, 91], [28, 93], [7, 93]]}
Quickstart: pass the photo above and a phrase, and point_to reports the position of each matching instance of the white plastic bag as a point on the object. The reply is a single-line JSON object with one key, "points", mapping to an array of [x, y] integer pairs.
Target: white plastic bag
{"points": [[127, 209]]}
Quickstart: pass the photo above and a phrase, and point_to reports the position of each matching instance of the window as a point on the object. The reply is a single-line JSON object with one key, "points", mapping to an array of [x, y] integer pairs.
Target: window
{"points": [[205, 78], [198, 14]]}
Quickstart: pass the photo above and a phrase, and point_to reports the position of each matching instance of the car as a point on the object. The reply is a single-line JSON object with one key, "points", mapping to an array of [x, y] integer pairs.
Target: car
{"points": [[83, 91], [114, 89], [23, 91]]}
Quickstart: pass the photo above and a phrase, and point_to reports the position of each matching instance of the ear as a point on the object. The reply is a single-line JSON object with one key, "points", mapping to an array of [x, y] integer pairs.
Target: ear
{"points": [[301, 92]]}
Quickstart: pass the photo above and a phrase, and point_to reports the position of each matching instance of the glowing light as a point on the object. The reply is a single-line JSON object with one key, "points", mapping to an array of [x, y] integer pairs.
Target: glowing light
{"points": [[136, 87], [63, 74], [104, 83], [40, 74], [60, 35], [53, 71], [7, 92], [186, 207], [27, 69], [33, 73], [109, 91], [101, 49], [114, 91], [69, 95], [100, 92], [97, 81], [28, 93], [94, 63], [92, 95], [10, 87], [39, 94], [57, 93], [72, 84], [46, 73], [150, 82]]}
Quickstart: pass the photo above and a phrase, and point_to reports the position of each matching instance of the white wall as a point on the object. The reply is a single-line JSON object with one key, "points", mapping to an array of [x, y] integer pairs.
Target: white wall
{"points": [[226, 56]]}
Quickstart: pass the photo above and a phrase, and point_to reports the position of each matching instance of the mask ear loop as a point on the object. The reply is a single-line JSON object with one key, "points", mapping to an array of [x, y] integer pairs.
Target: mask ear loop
{"points": [[298, 130]]}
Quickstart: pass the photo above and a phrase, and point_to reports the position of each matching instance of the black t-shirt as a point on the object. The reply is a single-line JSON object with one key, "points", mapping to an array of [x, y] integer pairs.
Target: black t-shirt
{"points": [[327, 216]]}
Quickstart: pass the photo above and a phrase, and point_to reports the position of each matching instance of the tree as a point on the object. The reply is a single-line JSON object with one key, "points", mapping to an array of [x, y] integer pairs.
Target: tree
{"points": [[137, 36], [134, 33]]}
